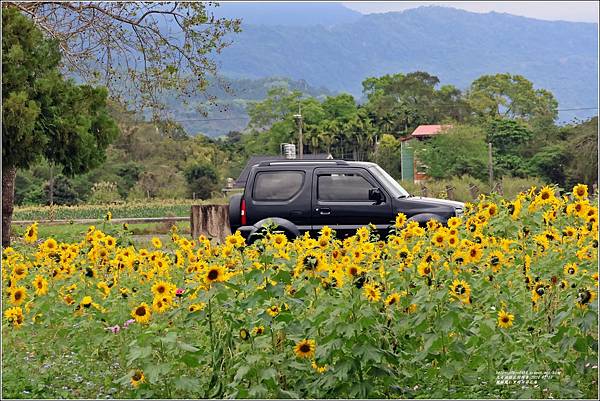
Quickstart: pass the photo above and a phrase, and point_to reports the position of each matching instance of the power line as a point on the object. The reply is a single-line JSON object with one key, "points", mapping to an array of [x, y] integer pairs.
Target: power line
{"points": [[247, 118]]}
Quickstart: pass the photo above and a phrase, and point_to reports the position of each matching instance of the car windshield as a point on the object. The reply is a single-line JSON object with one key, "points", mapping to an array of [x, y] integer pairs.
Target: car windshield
{"points": [[391, 184]]}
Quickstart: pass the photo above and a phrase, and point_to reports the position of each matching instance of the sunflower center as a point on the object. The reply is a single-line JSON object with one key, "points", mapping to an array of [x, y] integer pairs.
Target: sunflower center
{"points": [[353, 271], [161, 289], [540, 291], [460, 289], [427, 270], [213, 274], [140, 311], [495, 260], [505, 319], [545, 195], [585, 297], [18, 295], [137, 376], [571, 270], [305, 348]]}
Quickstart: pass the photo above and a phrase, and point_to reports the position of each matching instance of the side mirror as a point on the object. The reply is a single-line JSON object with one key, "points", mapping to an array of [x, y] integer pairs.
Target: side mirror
{"points": [[376, 195]]}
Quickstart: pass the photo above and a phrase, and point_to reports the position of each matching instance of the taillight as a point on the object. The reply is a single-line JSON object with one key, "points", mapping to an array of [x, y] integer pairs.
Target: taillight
{"points": [[243, 212]]}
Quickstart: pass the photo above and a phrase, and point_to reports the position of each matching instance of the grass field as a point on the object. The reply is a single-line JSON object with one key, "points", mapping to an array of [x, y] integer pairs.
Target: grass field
{"points": [[140, 233], [164, 208]]}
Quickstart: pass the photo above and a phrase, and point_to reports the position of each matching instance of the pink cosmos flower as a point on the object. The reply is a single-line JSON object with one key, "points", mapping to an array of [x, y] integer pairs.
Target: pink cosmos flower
{"points": [[127, 323]]}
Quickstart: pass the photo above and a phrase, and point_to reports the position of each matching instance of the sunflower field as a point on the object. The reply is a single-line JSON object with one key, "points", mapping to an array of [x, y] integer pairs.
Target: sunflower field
{"points": [[499, 303]]}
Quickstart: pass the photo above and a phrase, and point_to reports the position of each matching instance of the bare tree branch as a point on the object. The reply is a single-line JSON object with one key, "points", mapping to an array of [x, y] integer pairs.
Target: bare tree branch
{"points": [[141, 49]]}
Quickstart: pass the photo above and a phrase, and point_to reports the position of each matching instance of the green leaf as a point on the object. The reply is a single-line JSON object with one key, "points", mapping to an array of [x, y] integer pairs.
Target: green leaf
{"points": [[170, 338], [268, 374], [187, 347], [580, 345], [187, 383], [241, 373]]}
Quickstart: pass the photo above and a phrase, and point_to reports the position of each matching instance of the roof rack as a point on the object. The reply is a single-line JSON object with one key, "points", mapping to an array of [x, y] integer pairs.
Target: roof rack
{"points": [[299, 161]]}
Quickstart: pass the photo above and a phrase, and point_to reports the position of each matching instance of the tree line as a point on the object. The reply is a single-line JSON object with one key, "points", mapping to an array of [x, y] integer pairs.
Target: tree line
{"points": [[502, 109]]}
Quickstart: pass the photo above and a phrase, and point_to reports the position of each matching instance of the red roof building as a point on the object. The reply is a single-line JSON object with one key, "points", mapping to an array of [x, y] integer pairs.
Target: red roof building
{"points": [[426, 131]]}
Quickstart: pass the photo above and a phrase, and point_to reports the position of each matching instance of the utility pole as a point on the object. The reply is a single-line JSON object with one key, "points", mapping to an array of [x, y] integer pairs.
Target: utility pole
{"points": [[298, 118], [490, 167]]}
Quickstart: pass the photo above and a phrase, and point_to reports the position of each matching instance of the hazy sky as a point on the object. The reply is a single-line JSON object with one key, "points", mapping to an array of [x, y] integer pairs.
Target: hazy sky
{"points": [[582, 11]]}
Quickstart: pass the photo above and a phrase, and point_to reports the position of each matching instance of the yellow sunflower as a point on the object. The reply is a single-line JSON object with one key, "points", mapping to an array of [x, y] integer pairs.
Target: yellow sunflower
{"points": [[15, 316], [400, 220], [156, 242], [86, 302], [546, 195], [570, 269], [505, 319], [438, 239], [141, 313], [580, 191], [40, 284], [371, 292], [31, 234], [424, 269], [279, 241], [214, 274], [137, 377], [538, 291], [161, 304], [326, 231], [585, 297], [17, 295], [392, 299], [305, 348], [164, 289], [461, 290], [273, 310], [196, 307]]}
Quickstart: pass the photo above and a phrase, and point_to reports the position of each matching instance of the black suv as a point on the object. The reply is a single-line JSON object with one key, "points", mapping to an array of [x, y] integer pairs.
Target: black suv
{"points": [[300, 196]]}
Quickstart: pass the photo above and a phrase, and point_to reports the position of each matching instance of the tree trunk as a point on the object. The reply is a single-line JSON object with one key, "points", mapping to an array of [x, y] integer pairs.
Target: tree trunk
{"points": [[8, 199]]}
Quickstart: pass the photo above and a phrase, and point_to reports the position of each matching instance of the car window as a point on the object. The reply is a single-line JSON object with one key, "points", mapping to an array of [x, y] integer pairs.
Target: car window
{"points": [[277, 185], [343, 187]]}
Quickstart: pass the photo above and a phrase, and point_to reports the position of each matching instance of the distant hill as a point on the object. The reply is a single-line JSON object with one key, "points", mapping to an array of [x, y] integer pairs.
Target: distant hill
{"points": [[228, 112], [457, 46], [290, 14]]}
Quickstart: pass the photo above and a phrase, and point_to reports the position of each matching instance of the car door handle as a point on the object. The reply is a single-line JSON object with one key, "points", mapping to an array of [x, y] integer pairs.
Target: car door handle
{"points": [[324, 210]]}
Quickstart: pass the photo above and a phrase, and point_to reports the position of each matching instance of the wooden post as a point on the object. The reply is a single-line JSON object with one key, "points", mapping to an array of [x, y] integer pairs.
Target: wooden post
{"points": [[474, 190], [450, 192], [211, 221]]}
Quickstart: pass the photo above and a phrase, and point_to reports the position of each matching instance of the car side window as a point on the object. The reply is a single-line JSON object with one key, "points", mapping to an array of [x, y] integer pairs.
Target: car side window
{"points": [[277, 185], [343, 187]]}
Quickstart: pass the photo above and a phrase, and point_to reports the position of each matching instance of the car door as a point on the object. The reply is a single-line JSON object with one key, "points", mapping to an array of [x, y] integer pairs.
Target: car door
{"points": [[281, 193], [341, 200]]}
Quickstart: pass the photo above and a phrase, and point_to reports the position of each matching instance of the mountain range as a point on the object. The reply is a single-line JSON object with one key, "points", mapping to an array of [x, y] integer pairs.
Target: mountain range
{"points": [[457, 46], [329, 46]]}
